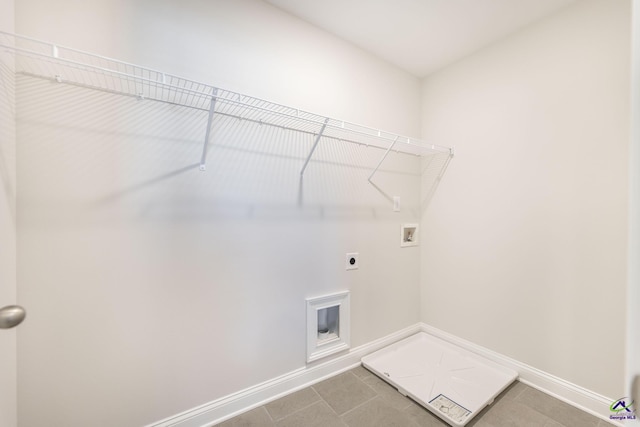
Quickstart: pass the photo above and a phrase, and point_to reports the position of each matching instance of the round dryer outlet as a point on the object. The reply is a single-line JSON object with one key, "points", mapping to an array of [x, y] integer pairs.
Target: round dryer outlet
{"points": [[352, 261]]}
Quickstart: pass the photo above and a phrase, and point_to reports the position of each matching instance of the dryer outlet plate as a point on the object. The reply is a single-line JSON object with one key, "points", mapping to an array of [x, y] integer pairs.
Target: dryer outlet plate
{"points": [[352, 262]]}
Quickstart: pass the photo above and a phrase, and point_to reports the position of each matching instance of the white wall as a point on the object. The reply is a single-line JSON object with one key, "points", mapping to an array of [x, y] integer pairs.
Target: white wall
{"points": [[153, 287], [8, 382], [527, 233], [633, 297], [247, 46]]}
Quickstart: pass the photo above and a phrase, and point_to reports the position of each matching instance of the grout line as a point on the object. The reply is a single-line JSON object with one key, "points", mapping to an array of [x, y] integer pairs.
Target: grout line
{"points": [[523, 389], [553, 401], [331, 408], [268, 414], [361, 404], [302, 409], [363, 382], [357, 406], [410, 401], [516, 398]]}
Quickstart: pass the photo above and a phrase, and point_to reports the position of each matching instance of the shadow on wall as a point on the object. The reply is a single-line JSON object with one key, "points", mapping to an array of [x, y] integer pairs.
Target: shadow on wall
{"points": [[84, 151], [7, 131]]}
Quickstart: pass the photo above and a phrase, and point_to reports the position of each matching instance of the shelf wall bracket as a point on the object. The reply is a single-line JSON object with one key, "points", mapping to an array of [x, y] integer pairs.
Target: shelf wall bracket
{"points": [[315, 144], [212, 110], [386, 153]]}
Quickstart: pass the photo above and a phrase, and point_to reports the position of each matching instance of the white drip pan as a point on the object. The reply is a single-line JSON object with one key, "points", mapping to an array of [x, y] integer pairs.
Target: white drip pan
{"points": [[453, 383]]}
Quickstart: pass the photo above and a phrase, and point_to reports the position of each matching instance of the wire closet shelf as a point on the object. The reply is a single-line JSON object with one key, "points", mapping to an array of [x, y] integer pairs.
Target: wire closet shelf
{"points": [[49, 61]]}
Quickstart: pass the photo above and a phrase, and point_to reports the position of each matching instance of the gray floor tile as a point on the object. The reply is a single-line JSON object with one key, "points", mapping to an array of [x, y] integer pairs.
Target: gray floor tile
{"points": [[361, 372], [387, 392], [255, 418], [513, 391], [508, 395], [377, 413], [359, 398], [555, 409], [294, 402], [511, 413], [344, 392], [317, 415], [479, 422], [422, 417]]}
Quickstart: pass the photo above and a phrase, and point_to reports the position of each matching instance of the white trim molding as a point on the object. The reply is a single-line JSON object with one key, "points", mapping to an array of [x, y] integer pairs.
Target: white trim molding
{"points": [[572, 394], [229, 406], [232, 405]]}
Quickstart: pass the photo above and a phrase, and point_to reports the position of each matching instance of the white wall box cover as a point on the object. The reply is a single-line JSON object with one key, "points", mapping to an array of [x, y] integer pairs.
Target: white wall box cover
{"points": [[328, 325]]}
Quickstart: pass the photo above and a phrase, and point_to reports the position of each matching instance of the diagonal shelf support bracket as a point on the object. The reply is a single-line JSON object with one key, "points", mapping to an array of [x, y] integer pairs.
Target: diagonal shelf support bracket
{"points": [[212, 110], [315, 144], [386, 153]]}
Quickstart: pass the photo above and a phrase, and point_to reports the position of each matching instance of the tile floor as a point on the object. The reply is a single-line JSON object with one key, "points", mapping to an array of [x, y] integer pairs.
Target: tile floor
{"points": [[357, 398]]}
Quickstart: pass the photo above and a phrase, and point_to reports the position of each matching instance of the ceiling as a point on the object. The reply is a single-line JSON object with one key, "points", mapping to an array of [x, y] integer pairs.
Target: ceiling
{"points": [[420, 36]]}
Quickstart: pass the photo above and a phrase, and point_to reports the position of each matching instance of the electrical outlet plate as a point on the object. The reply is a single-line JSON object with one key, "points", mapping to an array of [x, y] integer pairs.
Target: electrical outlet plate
{"points": [[352, 261]]}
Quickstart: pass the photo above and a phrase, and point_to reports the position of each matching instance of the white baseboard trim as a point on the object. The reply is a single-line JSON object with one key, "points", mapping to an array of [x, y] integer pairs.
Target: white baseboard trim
{"points": [[229, 406], [572, 394], [232, 405]]}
